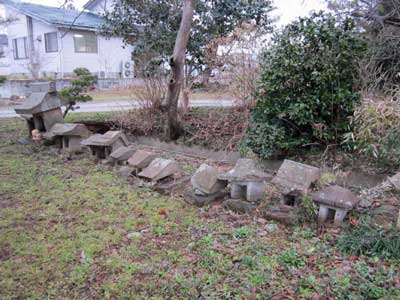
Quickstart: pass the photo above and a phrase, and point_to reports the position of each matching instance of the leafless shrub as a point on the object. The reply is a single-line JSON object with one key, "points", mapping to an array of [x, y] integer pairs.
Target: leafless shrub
{"points": [[245, 74], [152, 93]]}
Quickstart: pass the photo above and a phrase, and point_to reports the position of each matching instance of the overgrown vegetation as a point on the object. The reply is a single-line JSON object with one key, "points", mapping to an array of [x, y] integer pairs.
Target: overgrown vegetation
{"points": [[375, 131], [78, 91], [306, 93], [370, 240]]}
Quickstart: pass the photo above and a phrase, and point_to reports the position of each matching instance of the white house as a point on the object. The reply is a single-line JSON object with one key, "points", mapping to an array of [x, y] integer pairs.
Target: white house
{"points": [[49, 41]]}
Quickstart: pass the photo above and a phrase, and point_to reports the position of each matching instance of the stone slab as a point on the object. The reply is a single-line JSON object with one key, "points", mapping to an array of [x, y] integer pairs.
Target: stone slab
{"points": [[107, 139], [239, 206], [336, 196], [287, 215], [122, 153], [172, 185], [294, 176], [141, 159], [245, 170], [205, 179], [160, 168], [191, 198]]}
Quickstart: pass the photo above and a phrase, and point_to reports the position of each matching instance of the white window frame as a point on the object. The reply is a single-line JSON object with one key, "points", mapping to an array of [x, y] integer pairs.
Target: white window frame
{"points": [[15, 48], [46, 44], [82, 34]]}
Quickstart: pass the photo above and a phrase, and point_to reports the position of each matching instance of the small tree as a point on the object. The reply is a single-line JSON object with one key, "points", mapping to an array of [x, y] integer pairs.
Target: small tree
{"points": [[77, 92], [306, 94]]}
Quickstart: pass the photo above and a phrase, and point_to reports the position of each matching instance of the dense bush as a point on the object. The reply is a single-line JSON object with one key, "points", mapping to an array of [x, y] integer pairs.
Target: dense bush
{"points": [[375, 132], [306, 93]]}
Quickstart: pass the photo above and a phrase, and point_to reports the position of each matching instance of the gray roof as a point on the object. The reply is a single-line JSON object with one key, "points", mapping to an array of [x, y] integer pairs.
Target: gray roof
{"points": [[39, 102], [105, 140], [58, 16]]}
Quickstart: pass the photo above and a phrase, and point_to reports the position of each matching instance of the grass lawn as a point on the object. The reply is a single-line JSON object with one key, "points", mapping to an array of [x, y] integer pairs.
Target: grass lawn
{"points": [[71, 229]]}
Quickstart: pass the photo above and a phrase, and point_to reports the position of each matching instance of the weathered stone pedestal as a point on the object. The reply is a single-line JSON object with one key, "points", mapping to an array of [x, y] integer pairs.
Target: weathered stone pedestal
{"points": [[246, 180], [334, 203], [247, 185]]}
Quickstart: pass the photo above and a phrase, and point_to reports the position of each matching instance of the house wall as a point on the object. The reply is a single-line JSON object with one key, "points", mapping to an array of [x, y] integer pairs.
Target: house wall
{"points": [[106, 63], [108, 60]]}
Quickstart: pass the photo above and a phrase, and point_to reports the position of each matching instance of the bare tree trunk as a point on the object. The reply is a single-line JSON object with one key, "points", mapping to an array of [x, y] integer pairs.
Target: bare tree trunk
{"points": [[177, 62], [185, 99]]}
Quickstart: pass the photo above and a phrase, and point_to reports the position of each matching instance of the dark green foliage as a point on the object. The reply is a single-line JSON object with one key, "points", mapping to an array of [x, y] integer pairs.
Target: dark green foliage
{"points": [[3, 79], [368, 239], [77, 92], [306, 93]]}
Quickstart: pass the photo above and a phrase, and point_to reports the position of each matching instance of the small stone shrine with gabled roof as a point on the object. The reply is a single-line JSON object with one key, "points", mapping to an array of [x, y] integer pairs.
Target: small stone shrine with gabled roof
{"points": [[43, 107], [68, 136], [102, 145]]}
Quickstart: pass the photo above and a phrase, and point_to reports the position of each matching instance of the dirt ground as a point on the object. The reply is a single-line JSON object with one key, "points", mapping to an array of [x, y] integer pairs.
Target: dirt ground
{"points": [[71, 229]]}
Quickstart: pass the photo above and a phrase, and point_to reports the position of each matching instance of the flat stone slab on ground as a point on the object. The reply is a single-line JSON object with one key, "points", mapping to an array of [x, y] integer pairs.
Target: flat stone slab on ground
{"points": [[245, 170], [122, 153], [283, 214], [197, 200], [205, 179], [294, 176], [141, 159], [239, 206], [160, 168], [172, 186]]}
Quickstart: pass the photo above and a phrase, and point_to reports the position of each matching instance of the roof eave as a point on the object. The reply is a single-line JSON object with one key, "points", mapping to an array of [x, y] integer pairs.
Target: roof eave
{"points": [[68, 26], [28, 14]]}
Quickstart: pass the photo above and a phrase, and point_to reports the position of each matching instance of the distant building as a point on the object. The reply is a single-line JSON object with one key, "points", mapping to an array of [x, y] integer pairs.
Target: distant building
{"points": [[51, 42]]}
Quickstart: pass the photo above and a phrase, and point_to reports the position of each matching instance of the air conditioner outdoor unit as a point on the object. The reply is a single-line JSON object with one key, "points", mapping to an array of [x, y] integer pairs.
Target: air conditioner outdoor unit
{"points": [[127, 69]]}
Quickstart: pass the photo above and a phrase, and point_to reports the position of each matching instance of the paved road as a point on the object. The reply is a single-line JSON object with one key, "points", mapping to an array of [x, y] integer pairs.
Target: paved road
{"points": [[121, 105]]}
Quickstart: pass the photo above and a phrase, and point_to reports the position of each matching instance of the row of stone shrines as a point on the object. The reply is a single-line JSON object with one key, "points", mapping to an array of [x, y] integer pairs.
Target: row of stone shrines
{"points": [[248, 185], [246, 181]]}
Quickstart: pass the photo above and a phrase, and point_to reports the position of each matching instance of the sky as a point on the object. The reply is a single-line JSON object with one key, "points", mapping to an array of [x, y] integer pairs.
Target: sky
{"points": [[287, 10]]}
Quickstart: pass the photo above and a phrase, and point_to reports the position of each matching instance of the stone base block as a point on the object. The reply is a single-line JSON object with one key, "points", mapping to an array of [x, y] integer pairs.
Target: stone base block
{"points": [[200, 201]]}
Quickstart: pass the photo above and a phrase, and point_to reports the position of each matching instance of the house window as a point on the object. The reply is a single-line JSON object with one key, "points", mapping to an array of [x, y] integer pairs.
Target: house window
{"points": [[85, 42], [20, 48], [51, 42]]}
